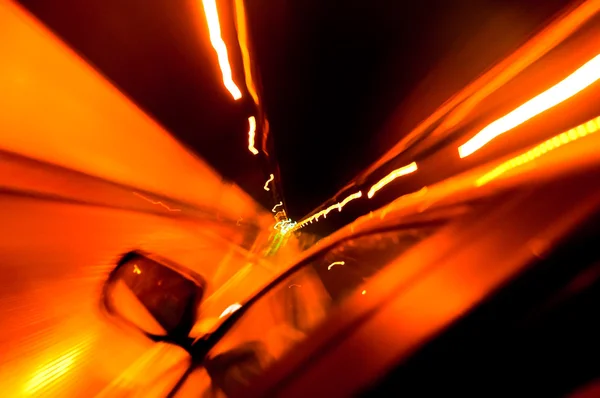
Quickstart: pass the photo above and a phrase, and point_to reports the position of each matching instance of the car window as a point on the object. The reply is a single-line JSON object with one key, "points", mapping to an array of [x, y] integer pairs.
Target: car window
{"points": [[291, 310]]}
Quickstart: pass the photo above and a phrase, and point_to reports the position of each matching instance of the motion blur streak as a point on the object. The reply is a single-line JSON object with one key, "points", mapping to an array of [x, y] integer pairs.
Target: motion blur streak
{"points": [[573, 84], [251, 134], [53, 370], [567, 137], [155, 202], [468, 98], [277, 205], [339, 206], [58, 109], [242, 31], [271, 178], [214, 28], [402, 171]]}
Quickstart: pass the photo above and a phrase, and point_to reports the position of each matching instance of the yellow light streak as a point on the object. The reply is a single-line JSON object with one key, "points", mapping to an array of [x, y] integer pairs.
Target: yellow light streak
{"points": [[559, 140], [583, 77], [251, 134], [271, 178], [276, 206], [214, 29], [335, 263], [324, 213], [402, 171]]}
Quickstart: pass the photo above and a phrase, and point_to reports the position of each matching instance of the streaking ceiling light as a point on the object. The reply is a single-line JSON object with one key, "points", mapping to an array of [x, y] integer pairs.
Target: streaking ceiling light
{"points": [[276, 206], [402, 171], [271, 178], [583, 130], [335, 263], [324, 213], [251, 133], [214, 29], [573, 84]]}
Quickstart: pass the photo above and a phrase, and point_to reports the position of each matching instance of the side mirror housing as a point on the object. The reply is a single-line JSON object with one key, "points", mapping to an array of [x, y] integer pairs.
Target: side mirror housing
{"points": [[158, 298]]}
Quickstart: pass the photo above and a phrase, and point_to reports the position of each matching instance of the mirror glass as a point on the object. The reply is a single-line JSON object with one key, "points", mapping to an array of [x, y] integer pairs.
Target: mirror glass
{"points": [[152, 296]]}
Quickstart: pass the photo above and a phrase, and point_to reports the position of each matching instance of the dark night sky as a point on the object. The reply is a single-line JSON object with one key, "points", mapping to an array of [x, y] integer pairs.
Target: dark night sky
{"points": [[341, 80]]}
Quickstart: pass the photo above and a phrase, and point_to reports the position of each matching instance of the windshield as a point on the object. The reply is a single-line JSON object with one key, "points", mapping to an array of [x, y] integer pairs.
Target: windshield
{"points": [[290, 311]]}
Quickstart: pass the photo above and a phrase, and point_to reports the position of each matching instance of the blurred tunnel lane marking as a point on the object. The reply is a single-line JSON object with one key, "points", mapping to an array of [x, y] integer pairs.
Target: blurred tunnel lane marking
{"points": [[583, 130], [576, 82]]}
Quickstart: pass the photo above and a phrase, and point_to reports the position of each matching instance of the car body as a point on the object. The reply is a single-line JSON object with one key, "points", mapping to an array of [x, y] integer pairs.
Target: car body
{"points": [[473, 286]]}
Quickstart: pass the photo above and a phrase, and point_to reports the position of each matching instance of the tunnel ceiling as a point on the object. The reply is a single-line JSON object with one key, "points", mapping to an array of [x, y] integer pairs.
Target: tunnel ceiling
{"points": [[333, 73]]}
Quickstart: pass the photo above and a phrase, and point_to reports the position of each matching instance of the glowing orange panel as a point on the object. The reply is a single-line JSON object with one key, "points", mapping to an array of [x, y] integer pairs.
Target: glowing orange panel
{"points": [[214, 29], [410, 168], [573, 84]]}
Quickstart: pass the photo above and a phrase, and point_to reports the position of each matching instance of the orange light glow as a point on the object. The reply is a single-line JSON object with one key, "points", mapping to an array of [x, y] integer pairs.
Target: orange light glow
{"points": [[242, 31], [573, 84], [324, 213], [276, 206], [251, 134], [136, 269], [402, 171], [214, 29], [567, 137], [271, 178], [363, 292], [155, 202]]}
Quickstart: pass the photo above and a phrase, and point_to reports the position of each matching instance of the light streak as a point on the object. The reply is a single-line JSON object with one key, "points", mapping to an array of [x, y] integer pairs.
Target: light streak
{"points": [[155, 202], [324, 213], [242, 31], [363, 292], [251, 135], [583, 77], [559, 140], [335, 263], [277, 205], [214, 29], [271, 178], [230, 310], [285, 226], [290, 286], [402, 171], [136, 269]]}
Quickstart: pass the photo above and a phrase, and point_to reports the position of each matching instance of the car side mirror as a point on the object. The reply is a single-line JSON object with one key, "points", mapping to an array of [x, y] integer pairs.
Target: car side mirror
{"points": [[156, 297]]}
